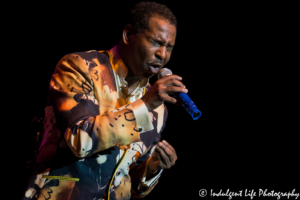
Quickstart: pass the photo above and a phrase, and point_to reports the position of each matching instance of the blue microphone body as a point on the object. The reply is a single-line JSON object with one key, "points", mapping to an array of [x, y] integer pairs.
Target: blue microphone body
{"points": [[186, 102], [183, 99]]}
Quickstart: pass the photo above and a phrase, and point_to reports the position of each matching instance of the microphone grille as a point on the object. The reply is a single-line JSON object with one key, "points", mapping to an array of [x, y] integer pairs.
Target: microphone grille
{"points": [[164, 72]]}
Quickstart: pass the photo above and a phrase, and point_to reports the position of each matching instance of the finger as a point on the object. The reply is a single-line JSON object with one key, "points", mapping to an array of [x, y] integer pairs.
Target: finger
{"points": [[176, 89], [169, 152], [168, 146], [170, 77], [177, 104], [166, 98], [175, 82], [163, 157], [172, 95]]}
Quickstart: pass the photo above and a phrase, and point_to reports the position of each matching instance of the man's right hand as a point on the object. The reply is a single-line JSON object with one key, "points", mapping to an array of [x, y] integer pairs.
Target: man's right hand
{"points": [[161, 89]]}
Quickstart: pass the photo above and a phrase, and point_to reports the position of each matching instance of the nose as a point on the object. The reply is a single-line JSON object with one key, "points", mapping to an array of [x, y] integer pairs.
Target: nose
{"points": [[161, 53]]}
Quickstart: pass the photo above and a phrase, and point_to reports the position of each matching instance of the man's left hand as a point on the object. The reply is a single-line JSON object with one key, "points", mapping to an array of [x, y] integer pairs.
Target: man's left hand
{"points": [[163, 157]]}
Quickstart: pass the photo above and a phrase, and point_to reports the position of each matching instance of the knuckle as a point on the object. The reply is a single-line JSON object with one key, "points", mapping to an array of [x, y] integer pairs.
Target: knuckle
{"points": [[174, 88], [160, 88], [160, 98], [171, 88], [159, 92], [160, 95], [174, 79], [158, 82]]}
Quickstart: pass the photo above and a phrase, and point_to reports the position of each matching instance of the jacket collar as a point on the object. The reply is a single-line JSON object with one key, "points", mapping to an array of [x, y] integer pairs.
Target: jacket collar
{"points": [[121, 72]]}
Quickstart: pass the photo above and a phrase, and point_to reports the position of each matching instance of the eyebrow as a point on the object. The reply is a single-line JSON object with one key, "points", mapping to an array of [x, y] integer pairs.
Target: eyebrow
{"points": [[161, 42]]}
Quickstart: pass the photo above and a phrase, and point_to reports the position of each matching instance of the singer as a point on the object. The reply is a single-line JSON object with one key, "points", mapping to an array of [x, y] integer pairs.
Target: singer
{"points": [[103, 121]]}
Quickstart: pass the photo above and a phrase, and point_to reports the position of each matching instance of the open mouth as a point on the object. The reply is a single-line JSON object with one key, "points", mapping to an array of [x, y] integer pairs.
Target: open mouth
{"points": [[154, 69]]}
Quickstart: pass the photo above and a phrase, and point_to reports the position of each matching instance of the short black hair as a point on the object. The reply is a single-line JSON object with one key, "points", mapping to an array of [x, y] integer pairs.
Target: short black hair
{"points": [[141, 13]]}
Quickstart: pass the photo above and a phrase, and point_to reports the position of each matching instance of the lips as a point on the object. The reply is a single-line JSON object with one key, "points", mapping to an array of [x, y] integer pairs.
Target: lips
{"points": [[154, 69]]}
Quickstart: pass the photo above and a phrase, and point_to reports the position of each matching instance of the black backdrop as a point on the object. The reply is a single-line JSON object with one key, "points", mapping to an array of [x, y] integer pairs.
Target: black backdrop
{"points": [[226, 54]]}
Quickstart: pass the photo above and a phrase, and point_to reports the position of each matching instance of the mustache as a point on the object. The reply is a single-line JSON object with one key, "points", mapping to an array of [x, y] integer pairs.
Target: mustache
{"points": [[155, 62]]}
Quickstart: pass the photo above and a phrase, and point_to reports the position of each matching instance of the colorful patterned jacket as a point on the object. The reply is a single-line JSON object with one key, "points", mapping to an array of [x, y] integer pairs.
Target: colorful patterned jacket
{"points": [[95, 144]]}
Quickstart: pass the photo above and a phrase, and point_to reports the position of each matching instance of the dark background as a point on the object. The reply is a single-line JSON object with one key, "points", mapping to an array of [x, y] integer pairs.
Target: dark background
{"points": [[232, 58]]}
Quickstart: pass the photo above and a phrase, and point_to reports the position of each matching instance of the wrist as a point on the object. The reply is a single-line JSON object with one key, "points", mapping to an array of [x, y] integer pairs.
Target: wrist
{"points": [[151, 173], [151, 169], [146, 103]]}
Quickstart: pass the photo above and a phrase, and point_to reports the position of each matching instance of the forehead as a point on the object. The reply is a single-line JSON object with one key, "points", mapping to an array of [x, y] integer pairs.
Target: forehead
{"points": [[160, 28]]}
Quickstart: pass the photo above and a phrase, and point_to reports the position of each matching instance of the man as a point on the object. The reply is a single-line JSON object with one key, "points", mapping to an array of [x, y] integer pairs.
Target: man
{"points": [[102, 126]]}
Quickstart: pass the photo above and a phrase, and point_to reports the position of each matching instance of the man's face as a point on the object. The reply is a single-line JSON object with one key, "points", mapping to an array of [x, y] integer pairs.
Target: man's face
{"points": [[152, 48]]}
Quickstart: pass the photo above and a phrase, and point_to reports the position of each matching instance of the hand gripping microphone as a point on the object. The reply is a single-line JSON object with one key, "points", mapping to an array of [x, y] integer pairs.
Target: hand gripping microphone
{"points": [[183, 99]]}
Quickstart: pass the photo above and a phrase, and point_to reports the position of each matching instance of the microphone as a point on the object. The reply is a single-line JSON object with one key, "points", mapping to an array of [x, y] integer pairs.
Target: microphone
{"points": [[181, 97]]}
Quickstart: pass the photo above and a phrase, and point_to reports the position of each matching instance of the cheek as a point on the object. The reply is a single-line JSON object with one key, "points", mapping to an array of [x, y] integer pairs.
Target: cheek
{"points": [[151, 53], [147, 52], [168, 56], [142, 54]]}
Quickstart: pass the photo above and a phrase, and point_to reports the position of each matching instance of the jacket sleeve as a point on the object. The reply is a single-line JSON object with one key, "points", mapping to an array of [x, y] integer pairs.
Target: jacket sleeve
{"points": [[140, 185], [76, 111]]}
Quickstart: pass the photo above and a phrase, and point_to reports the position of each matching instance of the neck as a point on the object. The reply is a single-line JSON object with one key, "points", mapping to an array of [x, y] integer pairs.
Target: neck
{"points": [[130, 78], [132, 81]]}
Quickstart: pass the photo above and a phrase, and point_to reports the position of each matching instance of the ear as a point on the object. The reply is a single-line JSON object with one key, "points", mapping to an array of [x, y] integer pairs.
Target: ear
{"points": [[127, 33]]}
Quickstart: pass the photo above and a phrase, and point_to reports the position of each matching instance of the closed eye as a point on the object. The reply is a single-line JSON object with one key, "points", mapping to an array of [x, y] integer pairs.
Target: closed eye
{"points": [[169, 48], [155, 43]]}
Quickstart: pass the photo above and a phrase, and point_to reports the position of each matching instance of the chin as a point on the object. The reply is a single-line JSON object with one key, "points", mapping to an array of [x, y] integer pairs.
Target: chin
{"points": [[147, 75], [152, 75]]}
